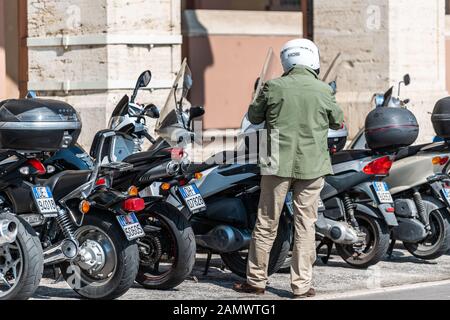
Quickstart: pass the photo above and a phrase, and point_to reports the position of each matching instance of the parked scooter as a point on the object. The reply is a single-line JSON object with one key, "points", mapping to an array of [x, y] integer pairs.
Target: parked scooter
{"points": [[418, 184], [21, 260], [86, 228]]}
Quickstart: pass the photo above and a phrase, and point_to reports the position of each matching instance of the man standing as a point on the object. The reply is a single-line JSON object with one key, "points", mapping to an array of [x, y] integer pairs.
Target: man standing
{"points": [[298, 110]]}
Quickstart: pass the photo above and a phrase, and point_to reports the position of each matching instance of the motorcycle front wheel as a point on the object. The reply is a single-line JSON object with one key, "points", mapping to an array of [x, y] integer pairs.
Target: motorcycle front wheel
{"points": [[437, 243], [236, 261], [21, 262], [107, 264], [167, 252], [376, 243]]}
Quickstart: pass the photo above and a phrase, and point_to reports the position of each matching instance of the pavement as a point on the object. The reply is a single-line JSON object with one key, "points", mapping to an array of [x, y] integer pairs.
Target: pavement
{"points": [[336, 280]]}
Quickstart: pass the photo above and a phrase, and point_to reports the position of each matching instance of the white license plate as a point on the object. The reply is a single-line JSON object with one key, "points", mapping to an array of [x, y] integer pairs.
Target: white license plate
{"points": [[446, 194], [382, 191], [192, 198], [44, 201], [131, 226]]}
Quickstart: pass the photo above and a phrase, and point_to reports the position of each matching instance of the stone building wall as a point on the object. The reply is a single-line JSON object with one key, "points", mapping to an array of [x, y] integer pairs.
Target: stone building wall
{"points": [[90, 53]]}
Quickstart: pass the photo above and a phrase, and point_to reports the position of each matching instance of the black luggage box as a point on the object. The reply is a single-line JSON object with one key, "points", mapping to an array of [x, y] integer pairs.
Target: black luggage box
{"points": [[388, 129], [441, 118], [38, 125]]}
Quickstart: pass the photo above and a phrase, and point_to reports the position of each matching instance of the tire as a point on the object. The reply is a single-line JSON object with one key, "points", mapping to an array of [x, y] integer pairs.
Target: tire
{"points": [[122, 258], [237, 261], [175, 240], [378, 237], [440, 238], [32, 260]]}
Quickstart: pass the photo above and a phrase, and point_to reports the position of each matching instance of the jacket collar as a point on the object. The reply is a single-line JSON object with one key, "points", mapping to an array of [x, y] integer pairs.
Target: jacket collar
{"points": [[306, 71]]}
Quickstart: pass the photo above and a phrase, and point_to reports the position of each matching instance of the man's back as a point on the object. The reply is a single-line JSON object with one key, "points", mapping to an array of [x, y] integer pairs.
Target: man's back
{"points": [[298, 110]]}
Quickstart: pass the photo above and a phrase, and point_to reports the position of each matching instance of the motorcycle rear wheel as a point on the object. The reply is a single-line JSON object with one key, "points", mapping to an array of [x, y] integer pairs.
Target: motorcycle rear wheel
{"points": [[237, 261], [377, 243], [438, 243], [167, 257], [120, 265]]}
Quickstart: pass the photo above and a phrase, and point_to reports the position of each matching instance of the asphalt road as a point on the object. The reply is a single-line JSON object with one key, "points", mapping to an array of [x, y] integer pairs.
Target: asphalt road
{"points": [[336, 280]]}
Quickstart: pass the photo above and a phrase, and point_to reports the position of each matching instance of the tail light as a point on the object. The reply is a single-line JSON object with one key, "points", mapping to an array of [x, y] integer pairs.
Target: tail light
{"points": [[134, 204], [439, 160], [380, 166], [177, 153], [37, 165]]}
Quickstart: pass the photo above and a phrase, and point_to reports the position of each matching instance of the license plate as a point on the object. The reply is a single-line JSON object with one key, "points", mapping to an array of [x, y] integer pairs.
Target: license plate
{"points": [[192, 198], [44, 201], [446, 194], [131, 226], [382, 191]]}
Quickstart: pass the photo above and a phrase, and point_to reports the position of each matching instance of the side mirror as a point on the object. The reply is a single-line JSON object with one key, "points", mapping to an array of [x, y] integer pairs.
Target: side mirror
{"points": [[406, 79], [195, 112], [151, 111], [31, 95], [142, 82], [333, 86]]}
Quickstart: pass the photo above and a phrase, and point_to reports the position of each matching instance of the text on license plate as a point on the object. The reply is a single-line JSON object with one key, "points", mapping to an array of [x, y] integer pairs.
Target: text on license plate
{"points": [[131, 226], [44, 201], [382, 191], [192, 198]]}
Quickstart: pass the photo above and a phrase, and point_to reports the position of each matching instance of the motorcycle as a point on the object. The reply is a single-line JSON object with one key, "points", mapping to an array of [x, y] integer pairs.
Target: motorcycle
{"points": [[167, 251], [419, 186], [21, 260], [86, 228]]}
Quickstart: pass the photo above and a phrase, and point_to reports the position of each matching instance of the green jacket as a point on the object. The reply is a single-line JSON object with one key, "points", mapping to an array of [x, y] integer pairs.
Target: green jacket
{"points": [[298, 109]]}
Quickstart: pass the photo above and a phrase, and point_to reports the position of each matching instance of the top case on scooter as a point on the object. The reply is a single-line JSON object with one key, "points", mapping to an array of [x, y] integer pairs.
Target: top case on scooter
{"points": [[441, 118], [388, 129]]}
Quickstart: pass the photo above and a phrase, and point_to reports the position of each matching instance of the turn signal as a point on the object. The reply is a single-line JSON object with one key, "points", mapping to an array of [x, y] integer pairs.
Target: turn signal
{"points": [[439, 160], [198, 175], [85, 206], [165, 186], [390, 209], [133, 191], [134, 204], [379, 166]]}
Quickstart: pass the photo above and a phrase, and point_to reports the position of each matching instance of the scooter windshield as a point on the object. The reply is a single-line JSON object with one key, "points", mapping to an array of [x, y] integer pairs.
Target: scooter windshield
{"points": [[172, 124]]}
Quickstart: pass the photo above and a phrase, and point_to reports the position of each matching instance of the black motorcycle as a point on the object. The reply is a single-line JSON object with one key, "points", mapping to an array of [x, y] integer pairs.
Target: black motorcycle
{"points": [[87, 229]]}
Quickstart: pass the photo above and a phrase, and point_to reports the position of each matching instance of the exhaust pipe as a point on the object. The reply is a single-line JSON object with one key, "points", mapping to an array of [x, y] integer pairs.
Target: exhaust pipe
{"points": [[224, 238], [337, 231], [8, 231]]}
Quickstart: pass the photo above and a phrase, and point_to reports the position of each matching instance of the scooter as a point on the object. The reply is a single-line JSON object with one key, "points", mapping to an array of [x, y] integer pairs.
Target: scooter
{"points": [[419, 186]]}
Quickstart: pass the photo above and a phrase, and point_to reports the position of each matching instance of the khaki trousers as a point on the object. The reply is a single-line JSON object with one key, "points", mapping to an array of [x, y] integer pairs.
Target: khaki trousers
{"points": [[305, 198]]}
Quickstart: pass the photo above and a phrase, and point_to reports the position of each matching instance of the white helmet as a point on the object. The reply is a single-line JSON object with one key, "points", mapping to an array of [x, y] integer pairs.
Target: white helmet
{"points": [[300, 52]]}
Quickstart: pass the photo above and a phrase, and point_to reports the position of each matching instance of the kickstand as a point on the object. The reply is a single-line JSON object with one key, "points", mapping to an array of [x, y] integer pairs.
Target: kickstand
{"points": [[329, 244], [208, 262], [391, 248]]}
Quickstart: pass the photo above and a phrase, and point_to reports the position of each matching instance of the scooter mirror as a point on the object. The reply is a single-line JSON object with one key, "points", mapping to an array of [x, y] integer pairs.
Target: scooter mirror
{"points": [[142, 82], [406, 79], [151, 111], [333, 86], [195, 112]]}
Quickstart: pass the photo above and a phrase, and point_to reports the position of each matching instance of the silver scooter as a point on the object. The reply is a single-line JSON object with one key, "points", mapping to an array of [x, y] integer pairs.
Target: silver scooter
{"points": [[419, 186]]}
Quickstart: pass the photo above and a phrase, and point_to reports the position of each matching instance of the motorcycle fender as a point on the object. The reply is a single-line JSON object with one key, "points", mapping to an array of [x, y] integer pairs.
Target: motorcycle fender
{"points": [[366, 188], [389, 218], [161, 207], [432, 203]]}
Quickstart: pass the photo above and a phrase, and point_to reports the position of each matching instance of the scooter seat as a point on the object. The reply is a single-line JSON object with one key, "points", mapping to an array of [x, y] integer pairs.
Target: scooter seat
{"points": [[146, 156], [350, 155], [65, 182]]}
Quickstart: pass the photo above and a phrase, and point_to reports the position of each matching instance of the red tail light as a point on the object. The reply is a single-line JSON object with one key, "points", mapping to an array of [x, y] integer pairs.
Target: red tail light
{"points": [[100, 182], [36, 164], [379, 166], [134, 204], [177, 153]]}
